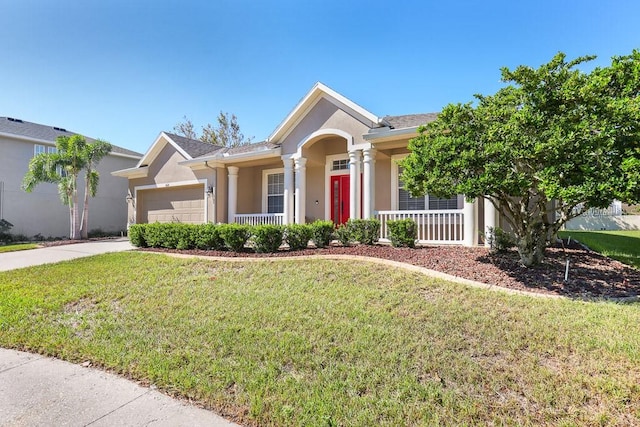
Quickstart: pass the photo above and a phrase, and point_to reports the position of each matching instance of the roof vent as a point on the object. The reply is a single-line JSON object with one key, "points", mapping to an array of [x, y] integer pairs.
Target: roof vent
{"points": [[59, 129], [11, 119]]}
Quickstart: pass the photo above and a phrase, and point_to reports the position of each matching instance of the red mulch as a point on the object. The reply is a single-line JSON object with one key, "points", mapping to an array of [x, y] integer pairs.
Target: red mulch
{"points": [[591, 275]]}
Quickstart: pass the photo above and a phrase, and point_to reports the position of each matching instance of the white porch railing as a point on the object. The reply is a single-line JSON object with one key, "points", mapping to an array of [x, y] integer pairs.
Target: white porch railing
{"points": [[615, 209], [260, 219], [434, 226]]}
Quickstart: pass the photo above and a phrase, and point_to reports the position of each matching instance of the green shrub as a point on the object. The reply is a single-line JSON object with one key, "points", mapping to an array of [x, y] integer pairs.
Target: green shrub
{"points": [[207, 237], [500, 240], [343, 234], [186, 235], [365, 231], [298, 236], [321, 233], [402, 232], [137, 235], [267, 238], [5, 227], [235, 236], [152, 235]]}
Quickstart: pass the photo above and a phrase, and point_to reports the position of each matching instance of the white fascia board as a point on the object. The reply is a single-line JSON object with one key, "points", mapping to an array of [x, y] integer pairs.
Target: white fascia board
{"points": [[128, 156], [389, 134], [251, 155], [137, 172], [208, 162], [157, 146], [317, 92]]}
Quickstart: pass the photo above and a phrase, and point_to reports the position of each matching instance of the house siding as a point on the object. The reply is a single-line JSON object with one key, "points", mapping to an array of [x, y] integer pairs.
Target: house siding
{"points": [[41, 212]]}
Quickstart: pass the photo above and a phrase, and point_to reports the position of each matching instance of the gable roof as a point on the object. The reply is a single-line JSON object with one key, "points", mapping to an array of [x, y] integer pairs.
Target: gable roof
{"points": [[317, 92], [194, 147], [44, 133]]}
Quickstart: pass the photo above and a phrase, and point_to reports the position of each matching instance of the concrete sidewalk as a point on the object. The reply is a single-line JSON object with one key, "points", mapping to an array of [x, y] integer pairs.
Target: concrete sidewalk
{"points": [[20, 259], [40, 391]]}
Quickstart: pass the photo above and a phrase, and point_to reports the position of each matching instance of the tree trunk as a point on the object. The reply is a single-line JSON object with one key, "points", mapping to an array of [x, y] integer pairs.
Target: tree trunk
{"points": [[84, 226], [531, 246], [75, 235]]}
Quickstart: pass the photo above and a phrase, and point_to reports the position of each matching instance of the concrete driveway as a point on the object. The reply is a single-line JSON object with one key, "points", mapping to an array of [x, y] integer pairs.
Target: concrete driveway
{"points": [[20, 259]]}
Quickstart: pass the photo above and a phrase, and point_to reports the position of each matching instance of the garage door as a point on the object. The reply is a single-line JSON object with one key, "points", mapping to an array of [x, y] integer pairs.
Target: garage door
{"points": [[178, 204]]}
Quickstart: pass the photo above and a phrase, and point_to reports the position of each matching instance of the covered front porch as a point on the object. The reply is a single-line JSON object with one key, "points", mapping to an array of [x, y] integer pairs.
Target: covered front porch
{"points": [[330, 178]]}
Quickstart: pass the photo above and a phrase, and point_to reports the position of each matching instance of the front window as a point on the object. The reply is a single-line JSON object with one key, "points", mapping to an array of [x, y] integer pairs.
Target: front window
{"points": [[275, 193], [408, 203]]}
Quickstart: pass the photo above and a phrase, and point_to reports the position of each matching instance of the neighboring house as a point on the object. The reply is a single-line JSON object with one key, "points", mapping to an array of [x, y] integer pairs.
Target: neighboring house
{"points": [[328, 159], [41, 212]]}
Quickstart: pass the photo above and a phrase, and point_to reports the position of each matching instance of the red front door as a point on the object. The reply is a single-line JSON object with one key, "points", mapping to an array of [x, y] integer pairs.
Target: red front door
{"points": [[339, 199]]}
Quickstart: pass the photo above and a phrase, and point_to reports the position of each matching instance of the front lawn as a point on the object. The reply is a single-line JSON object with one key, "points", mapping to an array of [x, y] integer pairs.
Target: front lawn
{"points": [[17, 247], [621, 245], [318, 342]]}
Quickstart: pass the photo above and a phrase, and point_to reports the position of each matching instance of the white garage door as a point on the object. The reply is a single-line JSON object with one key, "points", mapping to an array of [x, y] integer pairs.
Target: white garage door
{"points": [[178, 204]]}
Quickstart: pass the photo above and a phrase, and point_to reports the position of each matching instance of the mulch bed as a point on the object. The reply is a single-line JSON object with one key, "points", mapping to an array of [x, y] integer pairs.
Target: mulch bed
{"points": [[591, 275]]}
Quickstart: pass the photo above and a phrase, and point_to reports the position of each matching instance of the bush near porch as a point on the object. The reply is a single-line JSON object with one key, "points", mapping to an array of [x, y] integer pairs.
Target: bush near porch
{"points": [[263, 238]]}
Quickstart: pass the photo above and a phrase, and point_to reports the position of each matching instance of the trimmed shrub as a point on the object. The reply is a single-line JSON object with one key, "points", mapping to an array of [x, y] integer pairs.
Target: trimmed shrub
{"points": [[137, 235], [186, 234], [235, 236], [267, 238], [298, 236], [402, 232], [500, 240], [343, 234], [321, 233], [207, 237], [153, 235], [365, 231]]}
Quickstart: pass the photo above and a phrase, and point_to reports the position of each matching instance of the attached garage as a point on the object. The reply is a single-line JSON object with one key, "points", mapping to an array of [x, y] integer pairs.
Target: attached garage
{"points": [[176, 204]]}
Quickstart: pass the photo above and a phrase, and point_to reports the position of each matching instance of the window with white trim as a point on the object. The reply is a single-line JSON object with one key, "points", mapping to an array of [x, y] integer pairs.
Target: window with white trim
{"points": [[42, 149], [341, 164], [275, 193], [408, 203]]}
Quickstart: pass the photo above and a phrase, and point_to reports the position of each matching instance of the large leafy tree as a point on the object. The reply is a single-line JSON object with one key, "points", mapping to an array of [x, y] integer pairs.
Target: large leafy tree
{"points": [[225, 133], [553, 143], [73, 156]]}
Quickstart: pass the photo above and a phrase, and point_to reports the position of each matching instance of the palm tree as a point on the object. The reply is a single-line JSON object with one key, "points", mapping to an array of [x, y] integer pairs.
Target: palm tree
{"points": [[63, 167], [94, 153]]}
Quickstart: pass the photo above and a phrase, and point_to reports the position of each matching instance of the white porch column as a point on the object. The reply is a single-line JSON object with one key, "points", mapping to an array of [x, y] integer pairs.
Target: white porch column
{"points": [[354, 184], [233, 193], [470, 230], [301, 189], [369, 182], [489, 219], [288, 191]]}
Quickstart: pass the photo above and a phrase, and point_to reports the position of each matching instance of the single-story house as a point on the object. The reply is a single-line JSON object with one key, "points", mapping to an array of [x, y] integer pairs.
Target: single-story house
{"points": [[328, 159], [41, 212]]}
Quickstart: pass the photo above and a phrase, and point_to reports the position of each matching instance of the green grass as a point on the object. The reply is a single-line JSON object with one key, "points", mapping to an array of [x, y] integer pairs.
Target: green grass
{"points": [[319, 343], [18, 247], [621, 245]]}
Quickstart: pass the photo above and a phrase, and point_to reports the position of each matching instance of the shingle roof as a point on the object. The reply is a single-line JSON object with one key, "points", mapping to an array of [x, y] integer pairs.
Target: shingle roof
{"points": [[46, 133], [256, 146], [193, 147], [410, 120]]}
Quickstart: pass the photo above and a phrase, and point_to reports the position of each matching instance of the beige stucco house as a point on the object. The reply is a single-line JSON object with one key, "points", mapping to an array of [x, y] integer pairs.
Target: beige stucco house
{"points": [[328, 159], [41, 211]]}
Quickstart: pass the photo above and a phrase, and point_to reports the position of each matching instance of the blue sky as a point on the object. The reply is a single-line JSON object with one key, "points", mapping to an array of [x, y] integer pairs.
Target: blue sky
{"points": [[124, 70]]}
